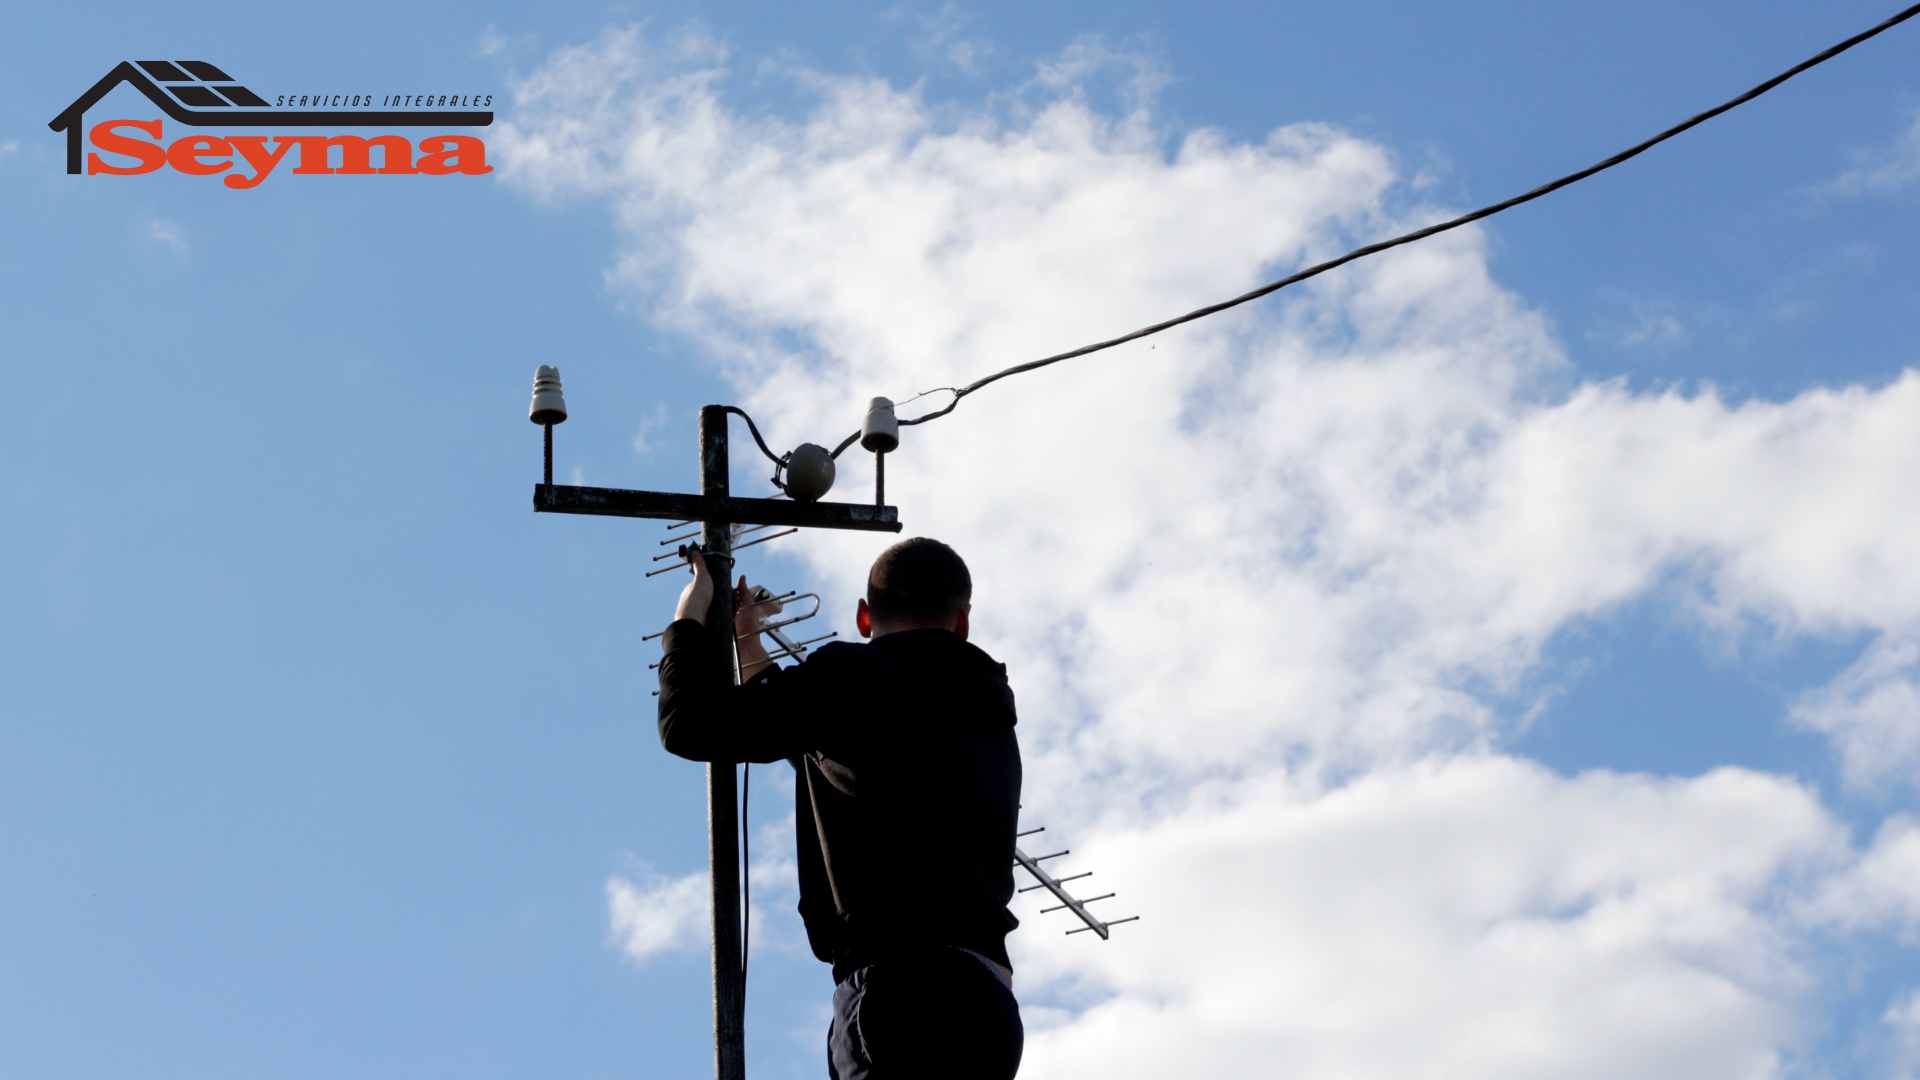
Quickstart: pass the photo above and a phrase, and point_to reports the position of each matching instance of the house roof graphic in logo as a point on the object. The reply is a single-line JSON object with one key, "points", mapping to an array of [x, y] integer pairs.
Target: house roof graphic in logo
{"points": [[197, 93]]}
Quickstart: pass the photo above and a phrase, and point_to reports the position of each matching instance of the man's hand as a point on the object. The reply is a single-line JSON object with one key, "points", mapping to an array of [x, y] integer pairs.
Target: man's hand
{"points": [[752, 605], [697, 597], [747, 617]]}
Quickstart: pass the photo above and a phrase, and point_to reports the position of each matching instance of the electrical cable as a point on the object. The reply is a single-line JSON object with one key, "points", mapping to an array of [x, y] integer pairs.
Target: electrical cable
{"points": [[1408, 238], [755, 430], [746, 885], [779, 463], [746, 856]]}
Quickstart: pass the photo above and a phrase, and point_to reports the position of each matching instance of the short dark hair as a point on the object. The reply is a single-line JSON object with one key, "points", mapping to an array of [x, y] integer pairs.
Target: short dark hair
{"points": [[918, 579]]}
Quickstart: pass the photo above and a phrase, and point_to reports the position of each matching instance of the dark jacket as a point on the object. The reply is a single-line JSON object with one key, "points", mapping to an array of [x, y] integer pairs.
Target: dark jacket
{"points": [[907, 785]]}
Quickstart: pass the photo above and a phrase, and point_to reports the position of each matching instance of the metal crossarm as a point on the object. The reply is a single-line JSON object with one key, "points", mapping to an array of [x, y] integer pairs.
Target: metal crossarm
{"points": [[683, 507]]}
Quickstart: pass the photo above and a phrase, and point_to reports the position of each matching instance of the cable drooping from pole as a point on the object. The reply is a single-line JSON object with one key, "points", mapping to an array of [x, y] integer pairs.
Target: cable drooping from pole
{"points": [[754, 430], [746, 885], [1417, 234], [746, 853], [779, 463]]}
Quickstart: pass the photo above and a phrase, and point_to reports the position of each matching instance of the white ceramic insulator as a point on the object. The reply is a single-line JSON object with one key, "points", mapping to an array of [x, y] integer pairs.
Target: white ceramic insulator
{"points": [[549, 406], [881, 432]]}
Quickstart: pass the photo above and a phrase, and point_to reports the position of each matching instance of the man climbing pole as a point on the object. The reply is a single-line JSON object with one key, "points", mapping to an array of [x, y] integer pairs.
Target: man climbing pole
{"points": [[906, 798]]}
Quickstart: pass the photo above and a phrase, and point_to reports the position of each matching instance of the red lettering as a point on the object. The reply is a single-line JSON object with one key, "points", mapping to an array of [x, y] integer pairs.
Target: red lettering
{"points": [[207, 155], [148, 154], [253, 148], [443, 155], [185, 154], [356, 154]]}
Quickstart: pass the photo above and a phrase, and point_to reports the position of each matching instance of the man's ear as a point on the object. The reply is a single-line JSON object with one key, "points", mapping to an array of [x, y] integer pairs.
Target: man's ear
{"points": [[863, 619], [960, 624]]}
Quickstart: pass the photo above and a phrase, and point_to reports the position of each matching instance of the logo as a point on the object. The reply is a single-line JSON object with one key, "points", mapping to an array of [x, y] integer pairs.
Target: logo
{"points": [[197, 94]]}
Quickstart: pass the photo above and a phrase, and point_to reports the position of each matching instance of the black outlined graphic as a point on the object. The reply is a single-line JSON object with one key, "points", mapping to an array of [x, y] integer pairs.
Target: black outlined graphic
{"points": [[197, 93]]}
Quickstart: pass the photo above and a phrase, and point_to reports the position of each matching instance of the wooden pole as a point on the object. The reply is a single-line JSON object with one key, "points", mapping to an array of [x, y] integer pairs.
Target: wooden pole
{"points": [[723, 816]]}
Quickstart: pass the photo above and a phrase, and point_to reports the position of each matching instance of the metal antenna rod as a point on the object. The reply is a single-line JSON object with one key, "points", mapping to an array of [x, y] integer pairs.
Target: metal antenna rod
{"points": [[788, 646], [1084, 900], [1056, 881], [683, 561], [1116, 922]]}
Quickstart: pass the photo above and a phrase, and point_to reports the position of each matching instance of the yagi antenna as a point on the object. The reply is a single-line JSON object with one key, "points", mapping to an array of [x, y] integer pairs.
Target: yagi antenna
{"points": [[1056, 886], [685, 551], [775, 620]]}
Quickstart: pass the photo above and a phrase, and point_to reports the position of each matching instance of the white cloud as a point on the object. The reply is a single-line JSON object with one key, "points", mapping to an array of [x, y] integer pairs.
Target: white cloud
{"points": [[966, 55], [1883, 169], [1872, 712], [939, 35], [167, 234], [1651, 327], [11, 146], [505, 48], [647, 431], [1087, 59], [1879, 891], [491, 42], [1262, 581], [1902, 1019], [1470, 917], [657, 916]]}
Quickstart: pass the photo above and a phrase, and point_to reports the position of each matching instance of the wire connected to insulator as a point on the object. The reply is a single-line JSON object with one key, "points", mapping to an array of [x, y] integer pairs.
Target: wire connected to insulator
{"points": [[1407, 238]]}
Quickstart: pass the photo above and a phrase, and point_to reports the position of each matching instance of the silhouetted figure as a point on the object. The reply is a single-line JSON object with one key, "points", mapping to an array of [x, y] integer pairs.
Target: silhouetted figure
{"points": [[906, 797]]}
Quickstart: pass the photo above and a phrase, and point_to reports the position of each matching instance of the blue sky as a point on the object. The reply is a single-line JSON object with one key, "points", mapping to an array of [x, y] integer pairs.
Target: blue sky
{"points": [[324, 756]]}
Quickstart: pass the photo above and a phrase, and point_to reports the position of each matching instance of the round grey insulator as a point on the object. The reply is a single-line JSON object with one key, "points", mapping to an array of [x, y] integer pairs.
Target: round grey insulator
{"points": [[549, 406], [809, 472], [881, 432]]}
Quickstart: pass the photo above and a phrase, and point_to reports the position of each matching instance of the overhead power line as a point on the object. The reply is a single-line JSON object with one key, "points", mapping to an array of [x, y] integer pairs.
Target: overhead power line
{"points": [[1408, 238]]}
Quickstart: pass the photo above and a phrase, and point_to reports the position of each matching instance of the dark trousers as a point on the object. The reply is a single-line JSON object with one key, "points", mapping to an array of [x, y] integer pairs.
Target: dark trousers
{"points": [[933, 1014]]}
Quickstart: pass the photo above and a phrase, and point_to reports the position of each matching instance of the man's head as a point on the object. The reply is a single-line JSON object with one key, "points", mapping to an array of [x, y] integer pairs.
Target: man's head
{"points": [[916, 584]]}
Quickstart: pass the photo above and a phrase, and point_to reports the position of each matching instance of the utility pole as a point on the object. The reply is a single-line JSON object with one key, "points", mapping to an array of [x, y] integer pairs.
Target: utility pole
{"points": [[808, 472], [804, 474], [723, 824]]}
